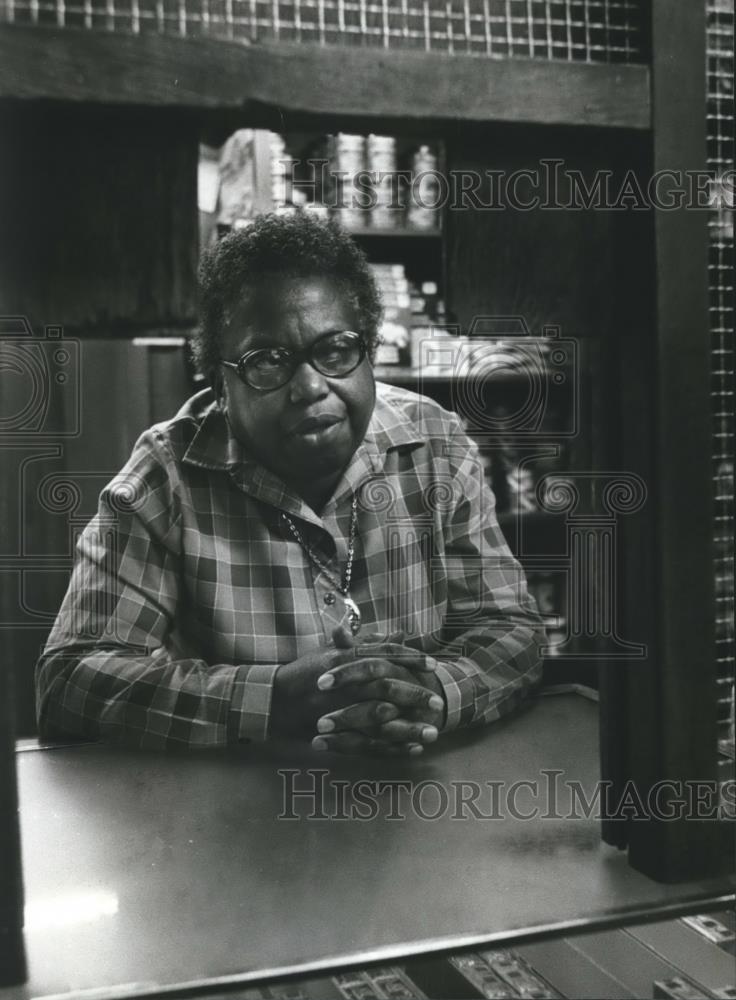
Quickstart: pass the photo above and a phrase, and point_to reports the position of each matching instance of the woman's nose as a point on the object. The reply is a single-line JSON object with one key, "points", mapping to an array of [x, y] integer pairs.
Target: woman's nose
{"points": [[307, 384]]}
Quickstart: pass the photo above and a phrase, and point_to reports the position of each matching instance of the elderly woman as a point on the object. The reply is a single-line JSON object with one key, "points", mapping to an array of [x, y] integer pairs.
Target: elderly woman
{"points": [[300, 551]]}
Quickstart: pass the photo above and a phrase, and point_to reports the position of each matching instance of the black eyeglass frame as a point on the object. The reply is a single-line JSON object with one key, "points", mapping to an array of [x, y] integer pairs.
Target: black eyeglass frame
{"points": [[296, 358]]}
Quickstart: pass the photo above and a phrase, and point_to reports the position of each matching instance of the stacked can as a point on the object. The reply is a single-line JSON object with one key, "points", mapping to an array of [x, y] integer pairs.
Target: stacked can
{"points": [[385, 210], [423, 211], [346, 154], [281, 168], [394, 288]]}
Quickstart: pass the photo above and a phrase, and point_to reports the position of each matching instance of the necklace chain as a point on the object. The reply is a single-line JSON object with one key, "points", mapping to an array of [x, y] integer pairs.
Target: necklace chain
{"points": [[342, 588]]}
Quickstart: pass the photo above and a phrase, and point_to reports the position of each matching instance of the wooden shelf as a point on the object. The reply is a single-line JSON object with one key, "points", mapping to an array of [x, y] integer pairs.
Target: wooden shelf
{"points": [[398, 233], [403, 375], [316, 81]]}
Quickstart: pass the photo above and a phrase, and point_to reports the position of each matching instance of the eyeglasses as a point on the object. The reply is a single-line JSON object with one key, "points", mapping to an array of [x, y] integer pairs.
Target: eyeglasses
{"points": [[334, 355]]}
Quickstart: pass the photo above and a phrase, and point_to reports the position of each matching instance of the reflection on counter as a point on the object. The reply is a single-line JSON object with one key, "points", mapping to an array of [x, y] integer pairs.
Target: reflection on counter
{"points": [[69, 909]]}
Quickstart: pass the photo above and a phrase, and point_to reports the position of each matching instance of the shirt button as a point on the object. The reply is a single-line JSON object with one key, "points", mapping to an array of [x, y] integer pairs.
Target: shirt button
{"points": [[329, 598]]}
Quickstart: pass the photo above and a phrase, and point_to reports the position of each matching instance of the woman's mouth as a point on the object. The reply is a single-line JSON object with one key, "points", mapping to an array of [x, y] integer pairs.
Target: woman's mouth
{"points": [[318, 424]]}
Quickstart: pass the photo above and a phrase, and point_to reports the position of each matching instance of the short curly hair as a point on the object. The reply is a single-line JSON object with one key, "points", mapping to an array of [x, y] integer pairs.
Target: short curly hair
{"points": [[298, 246]]}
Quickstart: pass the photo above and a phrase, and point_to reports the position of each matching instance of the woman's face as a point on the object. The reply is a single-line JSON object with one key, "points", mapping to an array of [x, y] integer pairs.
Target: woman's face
{"points": [[307, 430]]}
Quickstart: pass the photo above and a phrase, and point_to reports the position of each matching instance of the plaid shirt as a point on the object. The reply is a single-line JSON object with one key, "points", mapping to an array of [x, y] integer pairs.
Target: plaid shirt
{"points": [[189, 590]]}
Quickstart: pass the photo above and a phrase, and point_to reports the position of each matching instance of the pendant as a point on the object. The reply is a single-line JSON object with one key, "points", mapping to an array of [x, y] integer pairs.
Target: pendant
{"points": [[354, 616]]}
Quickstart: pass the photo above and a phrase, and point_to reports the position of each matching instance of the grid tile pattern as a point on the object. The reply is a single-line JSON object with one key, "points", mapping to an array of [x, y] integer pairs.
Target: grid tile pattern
{"points": [[720, 120], [581, 30]]}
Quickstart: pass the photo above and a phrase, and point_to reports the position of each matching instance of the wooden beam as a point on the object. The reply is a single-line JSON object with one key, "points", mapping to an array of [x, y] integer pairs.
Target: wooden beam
{"points": [[672, 694], [76, 65], [12, 954]]}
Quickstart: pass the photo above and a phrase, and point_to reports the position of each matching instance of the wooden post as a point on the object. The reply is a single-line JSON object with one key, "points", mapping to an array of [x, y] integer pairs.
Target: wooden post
{"points": [[671, 696], [12, 956]]}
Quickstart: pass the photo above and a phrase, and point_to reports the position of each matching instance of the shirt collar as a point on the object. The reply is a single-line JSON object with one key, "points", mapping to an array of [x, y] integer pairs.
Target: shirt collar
{"points": [[389, 427], [215, 447]]}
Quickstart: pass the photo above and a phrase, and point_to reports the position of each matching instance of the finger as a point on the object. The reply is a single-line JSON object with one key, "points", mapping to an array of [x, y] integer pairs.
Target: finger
{"points": [[382, 638], [358, 670], [411, 659], [355, 671], [411, 697], [404, 731], [343, 638], [359, 743], [365, 716]]}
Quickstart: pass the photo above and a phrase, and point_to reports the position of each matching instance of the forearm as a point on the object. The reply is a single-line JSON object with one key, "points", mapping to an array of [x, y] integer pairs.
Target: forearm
{"points": [[485, 673], [489, 649], [150, 701]]}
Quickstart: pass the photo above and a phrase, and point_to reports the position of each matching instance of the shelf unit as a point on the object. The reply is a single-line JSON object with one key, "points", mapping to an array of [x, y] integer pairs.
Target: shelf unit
{"points": [[399, 233]]}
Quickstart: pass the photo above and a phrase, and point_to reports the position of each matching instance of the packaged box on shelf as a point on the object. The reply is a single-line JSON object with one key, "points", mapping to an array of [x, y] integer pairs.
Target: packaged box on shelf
{"points": [[394, 346], [392, 270], [397, 298], [236, 198], [394, 333], [434, 350]]}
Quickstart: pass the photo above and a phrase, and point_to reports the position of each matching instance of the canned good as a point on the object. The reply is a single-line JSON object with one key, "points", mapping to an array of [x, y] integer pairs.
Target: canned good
{"points": [[381, 151], [346, 154], [381, 162], [351, 219], [424, 193]]}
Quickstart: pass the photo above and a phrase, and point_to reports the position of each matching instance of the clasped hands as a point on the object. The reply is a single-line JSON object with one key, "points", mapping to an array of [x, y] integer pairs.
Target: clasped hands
{"points": [[364, 695]]}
